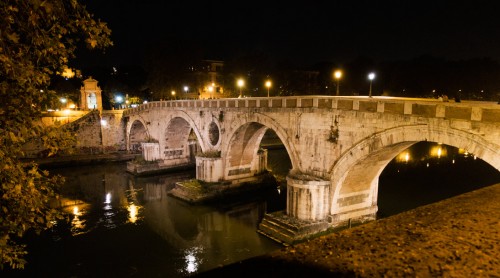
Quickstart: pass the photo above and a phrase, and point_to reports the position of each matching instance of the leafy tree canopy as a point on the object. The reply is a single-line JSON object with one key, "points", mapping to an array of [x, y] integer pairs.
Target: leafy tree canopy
{"points": [[37, 39]]}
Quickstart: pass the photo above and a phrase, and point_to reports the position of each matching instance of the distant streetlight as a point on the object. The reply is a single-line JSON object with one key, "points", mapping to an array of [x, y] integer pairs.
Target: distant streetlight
{"points": [[371, 76], [211, 91], [173, 94], [63, 101], [240, 84], [186, 90], [338, 75], [268, 85], [119, 100]]}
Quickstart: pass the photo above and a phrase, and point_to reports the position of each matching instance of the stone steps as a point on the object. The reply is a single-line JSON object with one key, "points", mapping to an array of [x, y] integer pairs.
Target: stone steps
{"points": [[276, 231], [283, 229]]}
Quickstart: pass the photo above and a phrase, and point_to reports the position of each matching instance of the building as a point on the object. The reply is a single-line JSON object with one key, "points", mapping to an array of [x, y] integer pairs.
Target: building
{"points": [[208, 79]]}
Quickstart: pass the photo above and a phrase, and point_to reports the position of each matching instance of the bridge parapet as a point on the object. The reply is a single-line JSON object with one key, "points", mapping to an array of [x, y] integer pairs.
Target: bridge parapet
{"points": [[429, 108]]}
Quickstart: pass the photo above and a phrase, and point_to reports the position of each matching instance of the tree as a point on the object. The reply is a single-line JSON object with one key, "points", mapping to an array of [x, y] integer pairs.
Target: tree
{"points": [[37, 38]]}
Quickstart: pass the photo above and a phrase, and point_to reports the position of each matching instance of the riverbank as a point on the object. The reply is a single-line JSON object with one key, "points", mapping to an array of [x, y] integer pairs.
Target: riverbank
{"points": [[456, 237]]}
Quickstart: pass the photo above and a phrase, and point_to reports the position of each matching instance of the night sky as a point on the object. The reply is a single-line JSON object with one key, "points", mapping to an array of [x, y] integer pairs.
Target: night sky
{"points": [[306, 32]]}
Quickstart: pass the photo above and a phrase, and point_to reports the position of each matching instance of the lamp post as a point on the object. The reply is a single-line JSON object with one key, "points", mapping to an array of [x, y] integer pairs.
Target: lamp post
{"points": [[338, 75], [371, 76], [268, 85], [173, 94], [240, 84]]}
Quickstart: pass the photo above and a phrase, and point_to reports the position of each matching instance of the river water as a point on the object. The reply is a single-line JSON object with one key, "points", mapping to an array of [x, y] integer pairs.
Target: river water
{"points": [[124, 226]]}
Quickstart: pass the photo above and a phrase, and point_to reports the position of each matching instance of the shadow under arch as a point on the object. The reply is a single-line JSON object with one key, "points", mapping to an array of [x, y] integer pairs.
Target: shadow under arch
{"points": [[358, 170], [176, 116]]}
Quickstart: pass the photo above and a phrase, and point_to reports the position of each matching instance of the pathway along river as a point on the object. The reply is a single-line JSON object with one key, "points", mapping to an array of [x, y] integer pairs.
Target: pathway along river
{"points": [[122, 226]]}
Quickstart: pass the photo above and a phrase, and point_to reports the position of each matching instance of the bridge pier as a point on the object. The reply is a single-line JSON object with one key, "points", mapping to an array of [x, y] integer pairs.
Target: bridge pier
{"points": [[213, 180], [307, 198], [212, 169], [153, 161], [308, 210], [209, 169]]}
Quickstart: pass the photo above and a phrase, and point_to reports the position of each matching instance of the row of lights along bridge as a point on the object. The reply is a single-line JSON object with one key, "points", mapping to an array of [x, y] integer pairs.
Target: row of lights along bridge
{"points": [[338, 75], [241, 83]]}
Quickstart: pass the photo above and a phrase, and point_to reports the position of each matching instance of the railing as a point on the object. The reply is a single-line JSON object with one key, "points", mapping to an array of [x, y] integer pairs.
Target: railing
{"points": [[466, 110]]}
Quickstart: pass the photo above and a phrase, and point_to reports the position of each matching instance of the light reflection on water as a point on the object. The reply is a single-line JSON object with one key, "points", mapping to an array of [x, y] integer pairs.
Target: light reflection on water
{"points": [[77, 224], [429, 172], [194, 238], [192, 260]]}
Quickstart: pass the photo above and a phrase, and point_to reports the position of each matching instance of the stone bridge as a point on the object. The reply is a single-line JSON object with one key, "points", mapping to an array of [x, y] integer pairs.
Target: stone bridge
{"points": [[338, 146]]}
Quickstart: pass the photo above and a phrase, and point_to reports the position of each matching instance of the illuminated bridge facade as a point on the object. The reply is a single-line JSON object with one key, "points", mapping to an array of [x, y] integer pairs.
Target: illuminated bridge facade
{"points": [[338, 146]]}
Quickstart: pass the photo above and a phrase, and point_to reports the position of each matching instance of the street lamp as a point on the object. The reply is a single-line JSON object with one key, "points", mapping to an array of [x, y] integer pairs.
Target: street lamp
{"points": [[338, 75], [371, 76], [211, 90], [186, 89], [63, 101], [119, 100], [268, 85], [173, 94], [240, 84]]}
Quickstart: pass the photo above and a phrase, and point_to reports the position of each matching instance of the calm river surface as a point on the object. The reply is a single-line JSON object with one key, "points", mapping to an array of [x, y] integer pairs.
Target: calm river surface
{"points": [[122, 226]]}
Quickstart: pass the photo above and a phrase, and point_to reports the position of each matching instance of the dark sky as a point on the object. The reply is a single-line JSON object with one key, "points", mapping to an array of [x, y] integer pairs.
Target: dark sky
{"points": [[305, 32]]}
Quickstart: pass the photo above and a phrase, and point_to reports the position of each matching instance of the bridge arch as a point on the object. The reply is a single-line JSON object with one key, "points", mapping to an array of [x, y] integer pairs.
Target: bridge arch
{"points": [[356, 173], [178, 141], [137, 133], [243, 147], [182, 120], [254, 127]]}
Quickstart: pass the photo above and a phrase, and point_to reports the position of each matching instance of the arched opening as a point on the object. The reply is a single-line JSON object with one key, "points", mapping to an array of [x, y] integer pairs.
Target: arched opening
{"points": [[180, 140], [138, 134], [91, 101], [428, 172], [279, 164], [355, 176], [246, 145], [243, 147]]}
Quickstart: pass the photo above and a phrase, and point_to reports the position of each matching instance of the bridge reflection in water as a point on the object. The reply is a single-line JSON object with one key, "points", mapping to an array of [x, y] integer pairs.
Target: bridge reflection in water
{"points": [[115, 210]]}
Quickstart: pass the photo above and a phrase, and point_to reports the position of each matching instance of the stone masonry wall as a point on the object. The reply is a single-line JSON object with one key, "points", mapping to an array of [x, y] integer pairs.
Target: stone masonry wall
{"points": [[95, 131]]}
